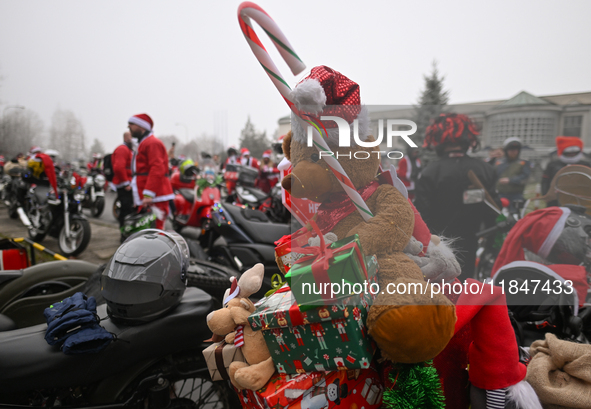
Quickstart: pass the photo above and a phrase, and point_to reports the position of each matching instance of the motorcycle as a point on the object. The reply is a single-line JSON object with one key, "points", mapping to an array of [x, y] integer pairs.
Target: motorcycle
{"points": [[94, 193], [157, 365], [192, 206], [59, 216], [14, 192], [269, 203], [248, 238]]}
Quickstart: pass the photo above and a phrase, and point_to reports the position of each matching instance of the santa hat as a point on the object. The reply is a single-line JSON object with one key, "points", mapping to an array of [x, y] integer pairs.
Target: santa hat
{"points": [[142, 120], [267, 153], [244, 151], [568, 144], [536, 232], [34, 149], [326, 92]]}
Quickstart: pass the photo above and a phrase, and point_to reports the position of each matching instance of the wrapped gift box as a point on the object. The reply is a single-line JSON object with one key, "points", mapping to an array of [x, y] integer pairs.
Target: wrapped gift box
{"points": [[219, 356], [357, 388], [342, 263], [283, 248], [320, 339]]}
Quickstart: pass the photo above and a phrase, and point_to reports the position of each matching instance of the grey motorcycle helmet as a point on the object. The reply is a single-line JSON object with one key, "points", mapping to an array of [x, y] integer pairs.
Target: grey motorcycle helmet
{"points": [[146, 277]]}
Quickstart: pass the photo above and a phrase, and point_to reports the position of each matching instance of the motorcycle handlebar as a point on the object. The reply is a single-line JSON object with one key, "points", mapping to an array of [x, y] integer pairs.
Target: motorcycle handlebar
{"points": [[501, 226]]}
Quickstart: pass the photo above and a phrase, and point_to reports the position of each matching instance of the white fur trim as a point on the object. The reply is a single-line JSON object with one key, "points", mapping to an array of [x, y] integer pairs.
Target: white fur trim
{"points": [[300, 135], [284, 164], [524, 396], [572, 159], [147, 192], [309, 95], [140, 122], [556, 231]]}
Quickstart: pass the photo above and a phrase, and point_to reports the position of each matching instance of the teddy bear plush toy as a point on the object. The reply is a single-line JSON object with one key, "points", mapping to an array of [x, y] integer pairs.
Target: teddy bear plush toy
{"points": [[407, 328], [231, 322]]}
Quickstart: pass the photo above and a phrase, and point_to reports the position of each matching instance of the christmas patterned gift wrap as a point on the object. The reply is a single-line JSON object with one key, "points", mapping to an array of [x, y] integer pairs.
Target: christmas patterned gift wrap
{"points": [[326, 274], [218, 357], [355, 388], [321, 339]]}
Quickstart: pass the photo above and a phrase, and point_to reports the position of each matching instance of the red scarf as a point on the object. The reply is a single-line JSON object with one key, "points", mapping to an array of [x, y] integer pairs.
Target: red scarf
{"points": [[340, 206]]}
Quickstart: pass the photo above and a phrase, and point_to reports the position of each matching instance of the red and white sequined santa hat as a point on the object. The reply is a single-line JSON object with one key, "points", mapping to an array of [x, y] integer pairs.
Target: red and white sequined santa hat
{"points": [[142, 120], [568, 144], [536, 232], [326, 92]]}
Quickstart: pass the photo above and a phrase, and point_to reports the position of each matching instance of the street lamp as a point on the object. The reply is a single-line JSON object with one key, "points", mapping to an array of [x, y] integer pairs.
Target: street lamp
{"points": [[186, 131]]}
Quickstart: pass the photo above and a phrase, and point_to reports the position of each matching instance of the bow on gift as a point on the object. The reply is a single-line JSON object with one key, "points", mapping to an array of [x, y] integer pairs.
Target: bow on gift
{"points": [[320, 257], [276, 283]]}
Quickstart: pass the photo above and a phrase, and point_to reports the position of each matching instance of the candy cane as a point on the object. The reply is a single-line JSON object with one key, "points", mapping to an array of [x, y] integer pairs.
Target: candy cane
{"points": [[249, 10]]}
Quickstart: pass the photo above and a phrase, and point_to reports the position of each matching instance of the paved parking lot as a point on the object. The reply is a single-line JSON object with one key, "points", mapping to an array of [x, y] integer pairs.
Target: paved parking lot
{"points": [[104, 238]]}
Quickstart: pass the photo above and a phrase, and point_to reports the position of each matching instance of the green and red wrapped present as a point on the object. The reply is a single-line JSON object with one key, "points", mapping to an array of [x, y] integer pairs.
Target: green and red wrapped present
{"points": [[356, 388], [320, 339], [326, 274]]}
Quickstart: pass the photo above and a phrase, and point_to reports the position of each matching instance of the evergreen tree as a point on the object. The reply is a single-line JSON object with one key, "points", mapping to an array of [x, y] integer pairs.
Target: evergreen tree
{"points": [[97, 147], [432, 102], [255, 142]]}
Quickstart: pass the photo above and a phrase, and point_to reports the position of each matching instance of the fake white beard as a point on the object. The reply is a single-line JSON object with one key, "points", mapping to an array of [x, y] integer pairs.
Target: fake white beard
{"points": [[571, 159]]}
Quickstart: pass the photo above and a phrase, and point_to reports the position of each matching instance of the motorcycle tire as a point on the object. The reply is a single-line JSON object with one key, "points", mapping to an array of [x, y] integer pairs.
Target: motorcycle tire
{"points": [[98, 206], [210, 277], [68, 250], [190, 385]]}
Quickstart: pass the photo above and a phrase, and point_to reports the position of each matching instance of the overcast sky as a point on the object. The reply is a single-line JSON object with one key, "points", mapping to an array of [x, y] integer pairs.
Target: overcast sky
{"points": [[187, 62]]}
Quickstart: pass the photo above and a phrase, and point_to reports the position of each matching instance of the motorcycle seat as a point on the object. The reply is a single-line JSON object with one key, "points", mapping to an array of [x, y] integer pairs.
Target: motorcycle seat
{"points": [[260, 232], [28, 362], [187, 194], [258, 193]]}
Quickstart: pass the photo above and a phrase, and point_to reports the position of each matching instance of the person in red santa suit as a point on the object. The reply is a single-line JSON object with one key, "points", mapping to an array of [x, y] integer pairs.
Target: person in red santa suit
{"points": [[150, 183], [268, 173], [42, 169], [408, 170], [121, 162], [247, 160]]}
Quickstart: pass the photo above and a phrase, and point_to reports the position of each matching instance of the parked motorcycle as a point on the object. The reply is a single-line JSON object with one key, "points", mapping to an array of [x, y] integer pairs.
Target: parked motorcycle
{"points": [[60, 217], [240, 237], [14, 192], [158, 364], [269, 203], [193, 206], [94, 193]]}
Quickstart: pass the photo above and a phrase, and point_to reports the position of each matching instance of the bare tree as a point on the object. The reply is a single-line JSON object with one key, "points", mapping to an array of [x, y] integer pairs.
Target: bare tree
{"points": [[19, 130], [67, 135]]}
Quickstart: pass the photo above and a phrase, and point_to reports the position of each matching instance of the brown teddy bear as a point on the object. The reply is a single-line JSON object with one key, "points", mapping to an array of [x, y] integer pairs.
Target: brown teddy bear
{"points": [[408, 328], [231, 322]]}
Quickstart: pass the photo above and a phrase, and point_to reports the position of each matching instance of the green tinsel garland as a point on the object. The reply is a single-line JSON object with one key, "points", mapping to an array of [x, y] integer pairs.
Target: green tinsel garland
{"points": [[414, 386]]}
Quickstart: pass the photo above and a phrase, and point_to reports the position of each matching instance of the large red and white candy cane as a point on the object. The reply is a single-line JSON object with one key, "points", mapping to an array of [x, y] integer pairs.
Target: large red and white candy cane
{"points": [[248, 11]]}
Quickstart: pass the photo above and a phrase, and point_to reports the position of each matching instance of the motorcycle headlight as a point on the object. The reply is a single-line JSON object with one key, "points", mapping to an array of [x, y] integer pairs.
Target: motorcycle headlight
{"points": [[78, 197], [89, 181], [100, 181]]}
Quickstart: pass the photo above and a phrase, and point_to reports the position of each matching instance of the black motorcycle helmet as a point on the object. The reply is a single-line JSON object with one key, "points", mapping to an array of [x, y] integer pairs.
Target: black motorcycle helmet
{"points": [[146, 277], [451, 130]]}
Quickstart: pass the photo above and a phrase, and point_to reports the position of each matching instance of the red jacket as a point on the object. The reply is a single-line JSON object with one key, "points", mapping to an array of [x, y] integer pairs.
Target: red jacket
{"points": [[405, 172], [252, 162], [121, 162], [150, 168]]}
